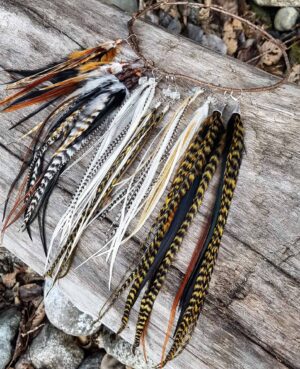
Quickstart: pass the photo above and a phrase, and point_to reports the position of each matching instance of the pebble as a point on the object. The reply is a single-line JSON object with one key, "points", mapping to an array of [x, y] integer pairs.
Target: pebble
{"points": [[152, 17], [53, 349], [9, 323], [121, 350], [194, 32], [215, 43], [129, 6], [175, 26], [93, 361], [62, 313], [167, 21], [164, 18], [285, 19]]}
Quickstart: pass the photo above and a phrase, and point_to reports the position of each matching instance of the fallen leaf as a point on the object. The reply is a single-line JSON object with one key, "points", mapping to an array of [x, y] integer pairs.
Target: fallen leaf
{"points": [[248, 52], [295, 74], [270, 53], [9, 279], [230, 37], [38, 316], [237, 25]]}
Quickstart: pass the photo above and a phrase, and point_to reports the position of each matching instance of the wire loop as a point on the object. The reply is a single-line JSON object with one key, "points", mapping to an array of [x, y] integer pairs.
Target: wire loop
{"points": [[149, 64]]}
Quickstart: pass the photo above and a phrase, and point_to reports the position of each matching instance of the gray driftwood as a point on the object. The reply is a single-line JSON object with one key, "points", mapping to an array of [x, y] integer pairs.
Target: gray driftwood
{"points": [[251, 318]]}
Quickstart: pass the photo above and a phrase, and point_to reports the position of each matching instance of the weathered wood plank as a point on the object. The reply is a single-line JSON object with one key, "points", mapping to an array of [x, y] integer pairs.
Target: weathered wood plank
{"points": [[255, 279]]}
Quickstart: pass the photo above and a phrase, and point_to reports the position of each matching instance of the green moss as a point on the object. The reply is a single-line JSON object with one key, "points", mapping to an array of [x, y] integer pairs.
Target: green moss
{"points": [[263, 14], [294, 53]]}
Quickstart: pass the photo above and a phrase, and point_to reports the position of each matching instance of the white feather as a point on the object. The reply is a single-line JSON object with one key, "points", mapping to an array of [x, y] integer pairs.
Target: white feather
{"points": [[146, 196], [131, 112]]}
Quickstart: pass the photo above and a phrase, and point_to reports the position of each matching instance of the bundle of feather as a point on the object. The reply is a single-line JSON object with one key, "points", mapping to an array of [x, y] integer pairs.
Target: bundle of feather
{"points": [[213, 145], [139, 193], [90, 86]]}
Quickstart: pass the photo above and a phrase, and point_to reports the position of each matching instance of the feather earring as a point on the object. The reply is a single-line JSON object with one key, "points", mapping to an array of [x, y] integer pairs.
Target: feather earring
{"points": [[89, 201], [151, 269], [141, 194], [182, 203], [197, 281], [95, 87]]}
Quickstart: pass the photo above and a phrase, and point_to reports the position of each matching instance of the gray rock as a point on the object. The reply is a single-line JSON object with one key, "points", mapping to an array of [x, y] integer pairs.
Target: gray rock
{"points": [[193, 15], [285, 19], [152, 17], [93, 361], [164, 18], [9, 323], [53, 349], [194, 32], [65, 316], [109, 362], [278, 2], [175, 26], [215, 43], [122, 351], [129, 6]]}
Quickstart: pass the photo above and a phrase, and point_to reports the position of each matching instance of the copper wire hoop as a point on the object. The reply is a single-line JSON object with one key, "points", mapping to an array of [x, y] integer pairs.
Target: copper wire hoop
{"points": [[149, 64]]}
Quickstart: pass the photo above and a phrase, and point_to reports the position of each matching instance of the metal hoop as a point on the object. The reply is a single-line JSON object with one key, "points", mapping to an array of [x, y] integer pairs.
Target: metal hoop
{"points": [[149, 64]]}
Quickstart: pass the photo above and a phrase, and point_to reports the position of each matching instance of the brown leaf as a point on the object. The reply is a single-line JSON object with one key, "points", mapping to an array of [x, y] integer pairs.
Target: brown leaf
{"points": [[230, 35], [248, 52], [270, 53], [9, 279], [38, 316], [295, 74], [21, 342]]}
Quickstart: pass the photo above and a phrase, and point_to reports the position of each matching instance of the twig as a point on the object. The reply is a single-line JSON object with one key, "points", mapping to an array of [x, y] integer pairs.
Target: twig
{"points": [[32, 330]]}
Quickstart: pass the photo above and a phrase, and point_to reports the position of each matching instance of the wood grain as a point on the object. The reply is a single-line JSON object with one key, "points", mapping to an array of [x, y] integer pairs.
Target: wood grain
{"points": [[251, 318]]}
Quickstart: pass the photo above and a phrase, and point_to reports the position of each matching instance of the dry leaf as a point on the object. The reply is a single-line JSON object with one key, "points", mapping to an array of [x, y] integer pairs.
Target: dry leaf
{"points": [[9, 279], [237, 25], [295, 74], [248, 52], [38, 317], [230, 38], [270, 53]]}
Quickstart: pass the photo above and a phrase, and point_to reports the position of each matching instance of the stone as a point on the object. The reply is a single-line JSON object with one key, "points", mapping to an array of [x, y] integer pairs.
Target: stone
{"points": [[285, 19], [164, 18], [93, 361], [122, 351], [9, 323], [152, 17], [62, 313], [215, 43], [7, 261], [278, 2], [129, 6], [193, 15], [54, 349], [194, 32], [175, 26]]}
